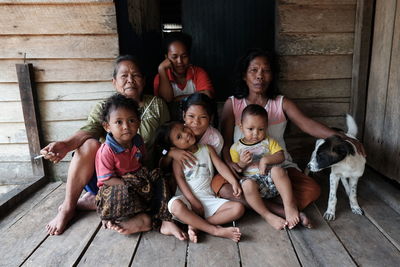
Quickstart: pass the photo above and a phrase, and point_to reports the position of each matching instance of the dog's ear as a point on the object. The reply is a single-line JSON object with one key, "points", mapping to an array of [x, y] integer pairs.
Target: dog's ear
{"points": [[343, 149]]}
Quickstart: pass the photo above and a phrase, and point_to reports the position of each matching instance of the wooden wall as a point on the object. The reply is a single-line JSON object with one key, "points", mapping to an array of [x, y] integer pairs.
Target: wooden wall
{"points": [[382, 123], [71, 45], [314, 40]]}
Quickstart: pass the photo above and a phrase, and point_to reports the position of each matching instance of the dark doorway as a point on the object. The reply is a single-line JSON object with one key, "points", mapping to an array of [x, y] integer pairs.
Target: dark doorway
{"points": [[221, 30]]}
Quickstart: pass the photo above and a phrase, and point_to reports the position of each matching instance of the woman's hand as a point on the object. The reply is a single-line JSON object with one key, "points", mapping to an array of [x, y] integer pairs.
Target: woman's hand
{"points": [[55, 151], [245, 159], [185, 158], [165, 64]]}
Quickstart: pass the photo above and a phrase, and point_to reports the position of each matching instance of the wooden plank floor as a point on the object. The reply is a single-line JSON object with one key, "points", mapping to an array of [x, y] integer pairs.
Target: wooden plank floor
{"points": [[350, 240]]}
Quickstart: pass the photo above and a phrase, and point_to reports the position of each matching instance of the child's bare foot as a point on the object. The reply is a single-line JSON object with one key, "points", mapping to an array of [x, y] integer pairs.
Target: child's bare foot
{"points": [[86, 202], [305, 221], [170, 228], [232, 233], [275, 221], [58, 224], [192, 232], [292, 216]]}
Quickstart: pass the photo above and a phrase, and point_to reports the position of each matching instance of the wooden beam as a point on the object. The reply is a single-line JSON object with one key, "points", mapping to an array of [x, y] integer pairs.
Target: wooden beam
{"points": [[31, 114], [361, 59]]}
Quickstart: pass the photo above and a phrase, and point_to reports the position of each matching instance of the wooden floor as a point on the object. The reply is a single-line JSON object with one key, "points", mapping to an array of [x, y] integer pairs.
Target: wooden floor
{"points": [[350, 240]]}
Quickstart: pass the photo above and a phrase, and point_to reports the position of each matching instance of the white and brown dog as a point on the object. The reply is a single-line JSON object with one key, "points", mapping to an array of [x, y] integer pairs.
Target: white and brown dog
{"points": [[346, 165]]}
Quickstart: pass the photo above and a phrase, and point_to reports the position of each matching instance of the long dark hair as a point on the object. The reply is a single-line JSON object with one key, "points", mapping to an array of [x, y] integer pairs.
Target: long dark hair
{"points": [[241, 89], [162, 140]]}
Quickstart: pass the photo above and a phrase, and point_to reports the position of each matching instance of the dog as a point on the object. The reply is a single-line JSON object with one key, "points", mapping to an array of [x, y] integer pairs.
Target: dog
{"points": [[346, 164]]}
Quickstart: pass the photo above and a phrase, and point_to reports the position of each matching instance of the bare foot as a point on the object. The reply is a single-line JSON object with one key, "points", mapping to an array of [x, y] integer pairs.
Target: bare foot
{"points": [[232, 233], [292, 216], [275, 221], [192, 232], [86, 202], [305, 221], [58, 224], [170, 228], [139, 223]]}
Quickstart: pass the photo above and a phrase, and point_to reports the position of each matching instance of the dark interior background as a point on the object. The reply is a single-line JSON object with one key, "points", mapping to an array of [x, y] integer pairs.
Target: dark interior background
{"points": [[221, 30]]}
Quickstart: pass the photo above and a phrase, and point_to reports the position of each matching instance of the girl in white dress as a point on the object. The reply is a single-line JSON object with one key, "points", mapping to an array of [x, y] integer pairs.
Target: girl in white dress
{"points": [[195, 202]]}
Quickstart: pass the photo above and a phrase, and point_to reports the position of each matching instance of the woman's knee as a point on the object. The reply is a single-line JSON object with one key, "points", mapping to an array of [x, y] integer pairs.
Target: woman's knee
{"points": [[88, 148]]}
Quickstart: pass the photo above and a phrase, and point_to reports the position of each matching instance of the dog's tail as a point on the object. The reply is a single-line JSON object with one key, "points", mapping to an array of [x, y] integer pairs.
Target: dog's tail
{"points": [[351, 125]]}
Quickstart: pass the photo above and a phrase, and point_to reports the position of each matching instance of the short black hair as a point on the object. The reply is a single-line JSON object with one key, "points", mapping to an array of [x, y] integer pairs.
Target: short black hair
{"points": [[181, 37], [255, 110], [162, 140], [117, 101], [122, 58], [241, 89]]}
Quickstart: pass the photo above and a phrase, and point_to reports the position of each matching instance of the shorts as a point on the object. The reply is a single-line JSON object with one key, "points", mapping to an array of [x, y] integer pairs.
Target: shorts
{"points": [[267, 187], [210, 204]]}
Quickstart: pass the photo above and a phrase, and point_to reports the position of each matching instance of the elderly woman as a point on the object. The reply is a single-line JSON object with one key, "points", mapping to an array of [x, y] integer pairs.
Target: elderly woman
{"points": [[128, 81], [176, 77], [255, 85]]}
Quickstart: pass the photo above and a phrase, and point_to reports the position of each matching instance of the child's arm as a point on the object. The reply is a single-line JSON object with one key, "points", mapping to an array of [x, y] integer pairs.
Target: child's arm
{"points": [[276, 158], [224, 170], [182, 156], [197, 207]]}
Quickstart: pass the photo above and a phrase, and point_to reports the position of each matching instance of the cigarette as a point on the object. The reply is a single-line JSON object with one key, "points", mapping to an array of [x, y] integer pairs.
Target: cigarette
{"points": [[38, 157]]}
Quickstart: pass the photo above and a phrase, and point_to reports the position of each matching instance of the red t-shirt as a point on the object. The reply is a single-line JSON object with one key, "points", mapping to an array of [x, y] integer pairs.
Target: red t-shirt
{"points": [[196, 76]]}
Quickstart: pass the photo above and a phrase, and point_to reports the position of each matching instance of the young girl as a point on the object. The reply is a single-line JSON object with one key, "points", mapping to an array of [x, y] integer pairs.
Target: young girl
{"points": [[259, 157], [125, 199], [195, 203]]}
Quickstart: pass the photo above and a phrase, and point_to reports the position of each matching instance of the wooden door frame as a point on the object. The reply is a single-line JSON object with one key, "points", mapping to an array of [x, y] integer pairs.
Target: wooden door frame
{"points": [[361, 61]]}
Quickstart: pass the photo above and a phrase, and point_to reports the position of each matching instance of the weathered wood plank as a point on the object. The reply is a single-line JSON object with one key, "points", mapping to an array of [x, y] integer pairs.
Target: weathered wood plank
{"points": [[56, 110], [52, 91], [391, 132], [11, 112], [65, 249], [366, 244], [315, 67], [15, 172], [45, 19], [361, 57], [65, 46], [313, 18], [63, 70], [121, 245], [319, 246], [321, 109], [378, 80], [261, 245], [213, 251], [380, 214], [60, 130], [153, 249], [13, 132], [31, 113], [316, 88], [318, 2], [292, 44], [19, 240], [23, 209], [14, 152]]}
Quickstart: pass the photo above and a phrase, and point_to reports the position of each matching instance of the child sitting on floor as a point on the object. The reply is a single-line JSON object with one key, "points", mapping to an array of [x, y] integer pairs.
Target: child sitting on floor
{"points": [[125, 199], [259, 157], [195, 203]]}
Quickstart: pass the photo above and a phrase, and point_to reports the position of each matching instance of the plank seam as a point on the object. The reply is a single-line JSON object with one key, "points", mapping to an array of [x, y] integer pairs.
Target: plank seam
{"points": [[87, 245], [293, 246], [33, 251]]}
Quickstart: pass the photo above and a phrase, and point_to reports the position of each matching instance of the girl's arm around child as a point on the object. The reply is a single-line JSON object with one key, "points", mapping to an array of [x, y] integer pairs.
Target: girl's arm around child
{"points": [[224, 170]]}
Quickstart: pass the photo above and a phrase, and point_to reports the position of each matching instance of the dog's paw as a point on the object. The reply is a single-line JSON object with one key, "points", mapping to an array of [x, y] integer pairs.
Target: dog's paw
{"points": [[357, 210], [329, 216]]}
